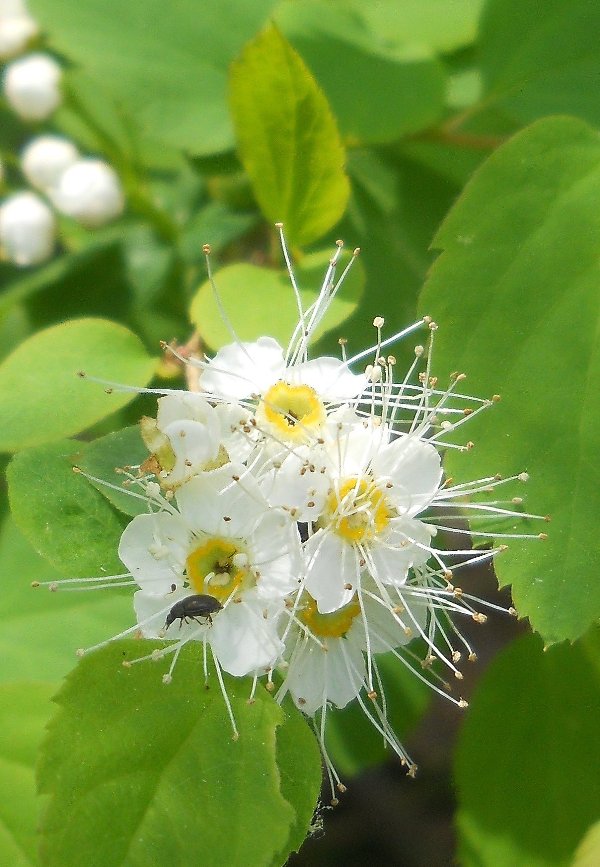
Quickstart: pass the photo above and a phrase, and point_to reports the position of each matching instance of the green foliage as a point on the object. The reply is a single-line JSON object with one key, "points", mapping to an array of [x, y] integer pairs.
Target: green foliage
{"points": [[533, 722], [60, 514], [23, 711], [105, 455], [173, 767], [41, 630], [516, 282], [260, 300], [166, 67], [397, 87], [541, 61], [42, 398], [287, 138]]}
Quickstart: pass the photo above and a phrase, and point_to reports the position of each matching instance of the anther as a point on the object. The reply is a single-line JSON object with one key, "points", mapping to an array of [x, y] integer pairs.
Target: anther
{"points": [[478, 617], [372, 695], [472, 657], [496, 398], [458, 675], [35, 583], [206, 249], [347, 586], [167, 678], [462, 703], [543, 536], [378, 322]]}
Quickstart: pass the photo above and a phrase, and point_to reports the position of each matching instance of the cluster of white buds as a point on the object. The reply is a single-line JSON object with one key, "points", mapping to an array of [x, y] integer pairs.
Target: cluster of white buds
{"points": [[292, 512], [31, 83], [85, 189]]}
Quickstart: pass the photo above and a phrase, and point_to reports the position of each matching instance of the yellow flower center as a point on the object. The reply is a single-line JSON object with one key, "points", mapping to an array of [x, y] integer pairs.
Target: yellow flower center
{"points": [[219, 567], [333, 625], [291, 412], [357, 511]]}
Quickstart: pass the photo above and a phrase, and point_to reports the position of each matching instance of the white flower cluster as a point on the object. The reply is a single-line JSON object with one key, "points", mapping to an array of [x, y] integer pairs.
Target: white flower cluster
{"points": [[292, 517], [85, 189]]}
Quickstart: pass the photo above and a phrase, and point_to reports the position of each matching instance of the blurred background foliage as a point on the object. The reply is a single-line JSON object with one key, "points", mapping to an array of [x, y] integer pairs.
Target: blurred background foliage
{"points": [[366, 122]]}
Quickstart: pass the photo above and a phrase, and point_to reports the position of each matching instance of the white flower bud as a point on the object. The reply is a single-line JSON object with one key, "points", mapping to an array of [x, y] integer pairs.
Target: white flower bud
{"points": [[15, 33], [90, 192], [31, 86], [27, 229], [45, 159], [12, 8]]}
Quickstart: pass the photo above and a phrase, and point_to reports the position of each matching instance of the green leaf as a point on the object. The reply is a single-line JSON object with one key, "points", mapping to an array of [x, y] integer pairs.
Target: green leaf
{"points": [[61, 515], [261, 301], [299, 762], [379, 89], [516, 282], [443, 25], [288, 139], [165, 64], [42, 398], [41, 630], [538, 61], [102, 457], [157, 765], [24, 709], [528, 756], [588, 851], [60, 271]]}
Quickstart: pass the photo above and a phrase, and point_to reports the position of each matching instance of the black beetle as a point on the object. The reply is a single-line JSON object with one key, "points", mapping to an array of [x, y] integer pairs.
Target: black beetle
{"points": [[193, 608]]}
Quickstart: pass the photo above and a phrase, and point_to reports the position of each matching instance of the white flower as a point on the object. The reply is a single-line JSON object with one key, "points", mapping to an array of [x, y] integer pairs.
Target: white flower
{"points": [[190, 436], [32, 86], [45, 158], [326, 665], [90, 192], [16, 31], [377, 487], [27, 229], [225, 542]]}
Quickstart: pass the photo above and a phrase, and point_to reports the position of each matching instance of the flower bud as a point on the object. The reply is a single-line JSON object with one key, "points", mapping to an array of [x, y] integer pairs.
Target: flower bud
{"points": [[90, 192], [12, 8], [27, 229], [31, 86], [15, 33], [45, 159]]}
